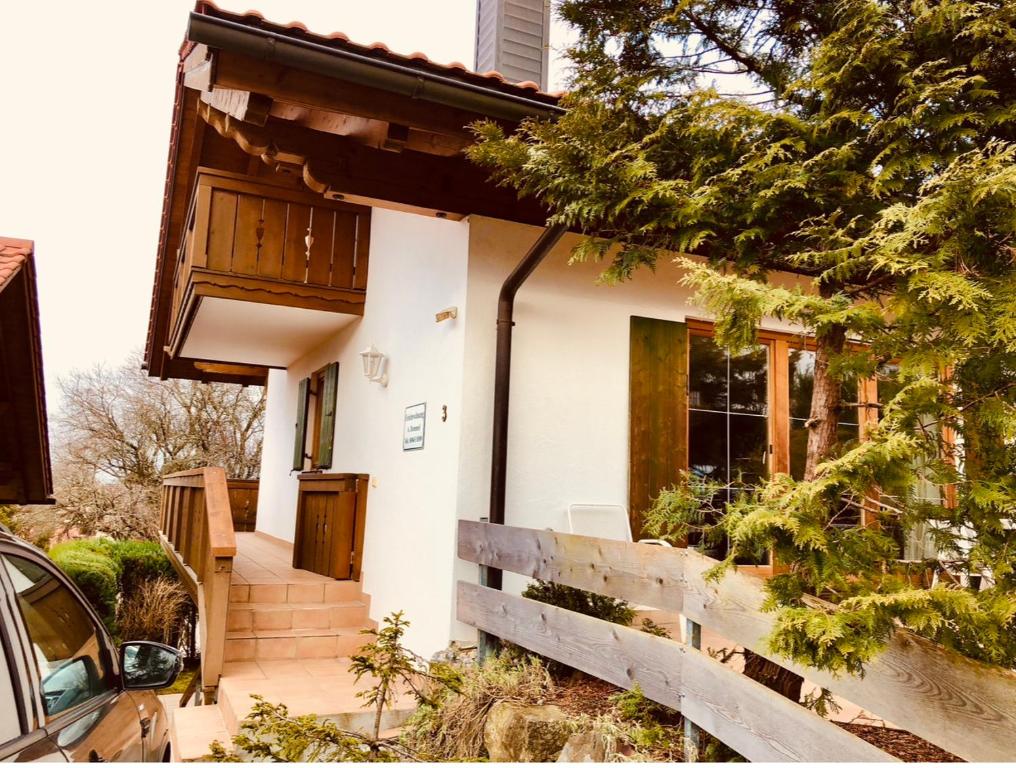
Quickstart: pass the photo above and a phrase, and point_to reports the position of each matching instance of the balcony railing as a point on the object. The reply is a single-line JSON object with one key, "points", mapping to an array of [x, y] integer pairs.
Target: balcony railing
{"points": [[246, 239]]}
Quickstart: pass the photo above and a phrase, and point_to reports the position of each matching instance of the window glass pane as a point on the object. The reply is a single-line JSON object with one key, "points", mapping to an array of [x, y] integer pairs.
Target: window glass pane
{"points": [[798, 448], [707, 446], [802, 379], [848, 413], [749, 443], [749, 381], [707, 374], [67, 648]]}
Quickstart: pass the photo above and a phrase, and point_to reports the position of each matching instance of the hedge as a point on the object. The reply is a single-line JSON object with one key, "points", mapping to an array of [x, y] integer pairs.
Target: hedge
{"points": [[105, 568]]}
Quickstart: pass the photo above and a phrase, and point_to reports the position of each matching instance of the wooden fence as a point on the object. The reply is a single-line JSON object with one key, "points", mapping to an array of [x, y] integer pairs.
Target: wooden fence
{"points": [[960, 705], [243, 502], [196, 530]]}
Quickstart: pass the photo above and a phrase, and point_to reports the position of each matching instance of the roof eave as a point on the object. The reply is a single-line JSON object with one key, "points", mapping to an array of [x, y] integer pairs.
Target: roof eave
{"points": [[268, 45]]}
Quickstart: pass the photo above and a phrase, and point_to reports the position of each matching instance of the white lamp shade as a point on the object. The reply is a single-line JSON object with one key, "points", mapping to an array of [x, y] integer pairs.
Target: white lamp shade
{"points": [[371, 359]]}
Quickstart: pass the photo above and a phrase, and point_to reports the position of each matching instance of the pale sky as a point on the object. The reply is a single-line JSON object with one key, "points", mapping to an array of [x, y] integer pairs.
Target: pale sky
{"points": [[87, 98]]}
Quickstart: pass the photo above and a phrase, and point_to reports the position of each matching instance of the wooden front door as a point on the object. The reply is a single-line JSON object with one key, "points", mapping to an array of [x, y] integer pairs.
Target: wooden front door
{"points": [[330, 519]]}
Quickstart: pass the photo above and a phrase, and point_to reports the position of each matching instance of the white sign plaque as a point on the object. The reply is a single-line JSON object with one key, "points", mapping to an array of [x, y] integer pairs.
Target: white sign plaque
{"points": [[415, 427]]}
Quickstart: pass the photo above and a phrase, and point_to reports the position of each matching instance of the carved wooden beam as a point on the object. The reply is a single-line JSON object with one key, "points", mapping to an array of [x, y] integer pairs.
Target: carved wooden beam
{"points": [[343, 169], [243, 105]]}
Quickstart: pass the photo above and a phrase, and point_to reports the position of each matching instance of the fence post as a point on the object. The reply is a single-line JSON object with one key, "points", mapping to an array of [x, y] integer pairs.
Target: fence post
{"points": [[692, 734]]}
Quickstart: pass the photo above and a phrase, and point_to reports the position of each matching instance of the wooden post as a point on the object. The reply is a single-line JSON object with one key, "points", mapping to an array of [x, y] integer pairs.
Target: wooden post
{"points": [[486, 644], [692, 734]]}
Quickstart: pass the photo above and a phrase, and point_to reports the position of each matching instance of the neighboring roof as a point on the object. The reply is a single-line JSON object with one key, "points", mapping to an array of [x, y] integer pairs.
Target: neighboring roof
{"points": [[13, 256], [381, 52], [25, 474]]}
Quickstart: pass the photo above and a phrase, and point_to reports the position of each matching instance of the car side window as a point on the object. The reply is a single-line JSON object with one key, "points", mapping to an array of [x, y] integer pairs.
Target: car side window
{"points": [[67, 647]]}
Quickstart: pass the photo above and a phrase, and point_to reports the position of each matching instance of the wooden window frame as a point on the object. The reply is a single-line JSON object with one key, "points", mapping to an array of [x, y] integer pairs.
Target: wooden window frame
{"points": [[779, 344]]}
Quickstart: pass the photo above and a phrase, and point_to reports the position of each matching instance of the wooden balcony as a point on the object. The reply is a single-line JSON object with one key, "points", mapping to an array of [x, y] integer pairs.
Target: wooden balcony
{"points": [[265, 272]]}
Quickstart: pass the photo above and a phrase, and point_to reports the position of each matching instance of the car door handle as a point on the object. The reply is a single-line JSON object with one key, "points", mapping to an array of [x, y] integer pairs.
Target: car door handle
{"points": [[146, 726], [95, 757]]}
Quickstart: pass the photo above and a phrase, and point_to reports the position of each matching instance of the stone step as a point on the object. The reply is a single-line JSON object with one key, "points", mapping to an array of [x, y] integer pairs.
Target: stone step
{"points": [[271, 644], [255, 616], [319, 687], [297, 592], [193, 729]]}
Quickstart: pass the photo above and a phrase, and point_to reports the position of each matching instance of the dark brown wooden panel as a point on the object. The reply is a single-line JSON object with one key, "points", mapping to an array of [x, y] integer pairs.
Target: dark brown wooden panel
{"points": [[343, 256], [221, 223], [247, 240], [322, 228], [329, 524], [658, 411], [294, 261], [273, 239]]}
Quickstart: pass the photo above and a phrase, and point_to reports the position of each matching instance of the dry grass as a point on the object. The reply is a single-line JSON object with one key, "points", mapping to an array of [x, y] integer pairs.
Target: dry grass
{"points": [[452, 729], [152, 611]]}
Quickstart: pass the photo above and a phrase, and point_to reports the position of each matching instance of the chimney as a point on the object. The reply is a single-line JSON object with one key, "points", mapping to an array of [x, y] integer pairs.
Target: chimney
{"points": [[513, 37]]}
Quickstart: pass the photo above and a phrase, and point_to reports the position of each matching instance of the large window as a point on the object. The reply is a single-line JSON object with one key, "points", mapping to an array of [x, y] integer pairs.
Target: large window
{"points": [[748, 412], [728, 414]]}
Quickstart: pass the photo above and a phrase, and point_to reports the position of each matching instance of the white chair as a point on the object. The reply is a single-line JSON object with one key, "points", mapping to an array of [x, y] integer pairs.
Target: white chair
{"points": [[605, 521]]}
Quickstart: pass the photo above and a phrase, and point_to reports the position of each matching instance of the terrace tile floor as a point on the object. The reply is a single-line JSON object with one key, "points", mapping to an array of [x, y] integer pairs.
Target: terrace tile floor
{"points": [[261, 559]]}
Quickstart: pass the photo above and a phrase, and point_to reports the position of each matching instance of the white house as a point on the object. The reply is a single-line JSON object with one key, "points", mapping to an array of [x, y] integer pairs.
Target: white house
{"points": [[318, 210]]}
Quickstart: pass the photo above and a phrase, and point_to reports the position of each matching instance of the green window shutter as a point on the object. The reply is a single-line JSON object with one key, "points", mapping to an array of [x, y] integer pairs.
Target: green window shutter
{"points": [[657, 411], [300, 441], [326, 403]]}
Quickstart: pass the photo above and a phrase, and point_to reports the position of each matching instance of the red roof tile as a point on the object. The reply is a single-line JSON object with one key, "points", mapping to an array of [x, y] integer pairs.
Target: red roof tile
{"points": [[13, 256], [380, 51]]}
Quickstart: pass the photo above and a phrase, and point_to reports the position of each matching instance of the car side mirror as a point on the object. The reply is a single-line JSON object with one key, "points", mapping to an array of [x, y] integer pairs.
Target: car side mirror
{"points": [[145, 665]]}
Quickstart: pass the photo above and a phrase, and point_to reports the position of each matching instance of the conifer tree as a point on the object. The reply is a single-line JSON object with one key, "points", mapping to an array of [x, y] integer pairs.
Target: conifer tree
{"points": [[871, 152]]}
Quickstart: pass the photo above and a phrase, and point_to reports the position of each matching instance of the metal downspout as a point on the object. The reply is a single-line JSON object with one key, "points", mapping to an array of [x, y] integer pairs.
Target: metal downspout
{"points": [[492, 577]]}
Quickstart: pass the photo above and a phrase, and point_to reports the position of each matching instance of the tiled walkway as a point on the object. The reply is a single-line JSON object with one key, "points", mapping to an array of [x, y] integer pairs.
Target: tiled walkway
{"points": [[262, 559], [289, 635]]}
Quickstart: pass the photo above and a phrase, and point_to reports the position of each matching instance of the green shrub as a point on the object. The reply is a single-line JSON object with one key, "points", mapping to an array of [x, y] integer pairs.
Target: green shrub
{"points": [[94, 571], [104, 569], [581, 601], [140, 561]]}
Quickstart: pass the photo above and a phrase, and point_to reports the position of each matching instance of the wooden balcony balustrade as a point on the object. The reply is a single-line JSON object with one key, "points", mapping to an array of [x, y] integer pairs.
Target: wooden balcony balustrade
{"points": [[196, 531], [243, 503], [963, 706], [252, 240]]}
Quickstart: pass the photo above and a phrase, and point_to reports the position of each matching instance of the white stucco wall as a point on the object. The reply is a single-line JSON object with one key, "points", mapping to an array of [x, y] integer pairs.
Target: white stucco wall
{"points": [[568, 423], [568, 432], [417, 268]]}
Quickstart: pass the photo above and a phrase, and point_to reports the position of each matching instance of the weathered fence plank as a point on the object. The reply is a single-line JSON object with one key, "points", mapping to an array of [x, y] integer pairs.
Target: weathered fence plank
{"points": [[954, 702], [958, 704], [644, 575], [742, 713]]}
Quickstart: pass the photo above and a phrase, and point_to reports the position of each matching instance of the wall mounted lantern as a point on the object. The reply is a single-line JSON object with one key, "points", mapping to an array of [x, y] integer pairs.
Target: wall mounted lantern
{"points": [[374, 365]]}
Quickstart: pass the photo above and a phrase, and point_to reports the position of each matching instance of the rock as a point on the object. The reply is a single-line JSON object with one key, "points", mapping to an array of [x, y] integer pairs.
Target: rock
{"points": [[586, 747], [516, 733], [454, 654]]}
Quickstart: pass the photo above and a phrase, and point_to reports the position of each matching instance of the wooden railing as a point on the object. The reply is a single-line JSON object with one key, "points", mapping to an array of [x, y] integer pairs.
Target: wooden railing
{"points": [[960, 705], [197, 534], [243, 502]]}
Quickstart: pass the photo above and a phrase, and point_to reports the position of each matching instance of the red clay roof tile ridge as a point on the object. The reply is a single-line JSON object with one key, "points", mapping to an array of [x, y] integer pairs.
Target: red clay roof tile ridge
{"points": [[210, 8]]}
